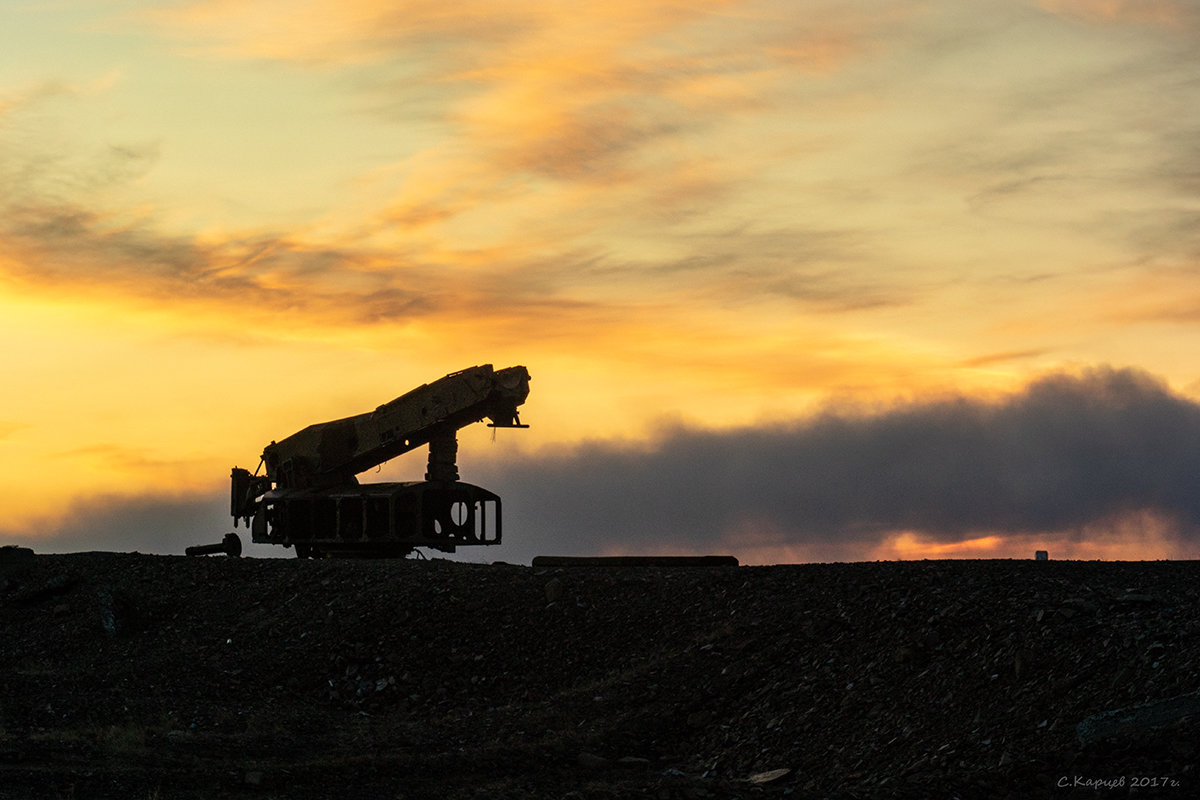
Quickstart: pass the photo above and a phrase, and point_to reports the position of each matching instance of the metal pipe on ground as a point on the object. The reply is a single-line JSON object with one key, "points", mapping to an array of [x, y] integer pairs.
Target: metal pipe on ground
{"points": [[231, 546]]}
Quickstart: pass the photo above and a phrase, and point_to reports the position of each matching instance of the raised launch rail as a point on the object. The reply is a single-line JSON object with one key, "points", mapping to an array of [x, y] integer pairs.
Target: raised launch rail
{"points": [[309, 497]]}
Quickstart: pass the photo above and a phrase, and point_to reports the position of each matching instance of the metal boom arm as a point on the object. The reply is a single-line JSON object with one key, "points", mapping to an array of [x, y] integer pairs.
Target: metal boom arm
{"points": [[332, 453]]}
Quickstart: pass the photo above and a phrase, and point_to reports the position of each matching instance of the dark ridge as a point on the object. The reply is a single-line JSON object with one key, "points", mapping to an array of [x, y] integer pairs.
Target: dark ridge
{"points": [[133, 676]]}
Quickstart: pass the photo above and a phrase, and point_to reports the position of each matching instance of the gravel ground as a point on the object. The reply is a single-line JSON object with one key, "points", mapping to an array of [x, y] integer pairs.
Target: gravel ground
{"points": [[134, 676]]}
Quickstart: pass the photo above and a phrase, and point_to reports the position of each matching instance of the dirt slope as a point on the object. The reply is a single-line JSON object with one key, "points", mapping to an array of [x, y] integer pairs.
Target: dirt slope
{"points": [[135, 676]]}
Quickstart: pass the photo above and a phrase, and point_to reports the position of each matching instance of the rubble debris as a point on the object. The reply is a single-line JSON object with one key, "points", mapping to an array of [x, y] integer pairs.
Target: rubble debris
{"points": [[11, 555], [52, 587], [877, 681], [635, 561]]}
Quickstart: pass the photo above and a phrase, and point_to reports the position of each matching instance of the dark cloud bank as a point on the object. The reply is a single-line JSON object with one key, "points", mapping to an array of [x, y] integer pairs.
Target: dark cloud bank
{"points": [[1069, 452]]}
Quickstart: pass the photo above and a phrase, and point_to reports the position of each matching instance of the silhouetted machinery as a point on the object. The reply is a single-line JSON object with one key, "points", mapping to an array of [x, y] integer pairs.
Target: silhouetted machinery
{"points": [[309, 497]]}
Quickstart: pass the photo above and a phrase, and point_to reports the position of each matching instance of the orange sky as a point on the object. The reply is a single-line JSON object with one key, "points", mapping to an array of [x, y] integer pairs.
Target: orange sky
{"points": [[222, 221]]}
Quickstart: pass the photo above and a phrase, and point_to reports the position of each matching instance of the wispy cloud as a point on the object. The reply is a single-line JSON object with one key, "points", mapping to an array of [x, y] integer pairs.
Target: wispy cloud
{"points": [[69, 251], [603, 136], [557, 123], [535, 91], [1167, 13], [64, 235], [989, 359]]}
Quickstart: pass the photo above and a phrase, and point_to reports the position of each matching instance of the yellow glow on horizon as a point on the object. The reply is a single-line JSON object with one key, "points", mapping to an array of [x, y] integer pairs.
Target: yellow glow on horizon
{"points": [[908, 546]]}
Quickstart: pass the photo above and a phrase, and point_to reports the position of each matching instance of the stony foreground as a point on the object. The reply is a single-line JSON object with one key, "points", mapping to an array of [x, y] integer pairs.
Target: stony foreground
{"points": [[133, 676]]}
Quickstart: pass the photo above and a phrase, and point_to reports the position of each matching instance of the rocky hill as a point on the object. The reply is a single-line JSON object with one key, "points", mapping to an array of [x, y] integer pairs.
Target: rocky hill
{"points": [[134, 676]]}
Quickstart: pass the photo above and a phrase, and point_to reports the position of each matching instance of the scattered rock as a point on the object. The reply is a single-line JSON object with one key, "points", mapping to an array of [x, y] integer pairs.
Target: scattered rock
{"points": [[106, 608], [770, 776], [1080, 605], [53, 587], [1021, 664]]}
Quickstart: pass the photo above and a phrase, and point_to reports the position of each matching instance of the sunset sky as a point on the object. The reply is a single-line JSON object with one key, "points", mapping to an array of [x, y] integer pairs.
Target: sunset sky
{"points": [[795, 280]]}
